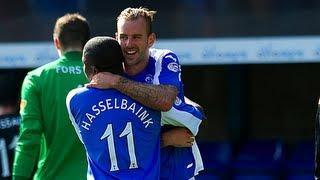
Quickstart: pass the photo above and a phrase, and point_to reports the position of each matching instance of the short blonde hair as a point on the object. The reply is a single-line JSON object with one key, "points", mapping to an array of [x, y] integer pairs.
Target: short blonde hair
{"points": [[135, 13]]}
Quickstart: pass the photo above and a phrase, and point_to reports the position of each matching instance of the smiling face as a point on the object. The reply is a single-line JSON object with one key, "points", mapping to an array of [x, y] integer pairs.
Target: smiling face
{"points": [[135, 41]]}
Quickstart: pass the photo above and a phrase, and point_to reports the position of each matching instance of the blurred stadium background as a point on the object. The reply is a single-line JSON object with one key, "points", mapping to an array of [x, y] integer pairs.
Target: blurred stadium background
{"points": [[252, 64]]}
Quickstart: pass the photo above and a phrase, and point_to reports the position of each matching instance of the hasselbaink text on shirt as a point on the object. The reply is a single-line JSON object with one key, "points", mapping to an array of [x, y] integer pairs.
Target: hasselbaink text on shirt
{"points": [[122, 104]]}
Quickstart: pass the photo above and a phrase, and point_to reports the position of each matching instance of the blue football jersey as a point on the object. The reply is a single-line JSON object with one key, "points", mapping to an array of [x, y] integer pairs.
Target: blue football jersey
{"points": [[9, 132], [121, 136], [164, 68]]}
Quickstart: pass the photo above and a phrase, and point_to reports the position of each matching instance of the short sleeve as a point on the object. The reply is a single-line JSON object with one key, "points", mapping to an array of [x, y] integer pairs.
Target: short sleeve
{"points": [[169, 70]]}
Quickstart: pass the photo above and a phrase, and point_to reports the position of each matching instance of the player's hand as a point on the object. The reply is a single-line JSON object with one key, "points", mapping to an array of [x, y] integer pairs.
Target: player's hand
{"points": [[103, 80], [178, 137]]}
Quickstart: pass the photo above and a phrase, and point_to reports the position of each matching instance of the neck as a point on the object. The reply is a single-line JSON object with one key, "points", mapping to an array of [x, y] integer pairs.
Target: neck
{"points": [[62, 52], [6, 110], [135, 69]]}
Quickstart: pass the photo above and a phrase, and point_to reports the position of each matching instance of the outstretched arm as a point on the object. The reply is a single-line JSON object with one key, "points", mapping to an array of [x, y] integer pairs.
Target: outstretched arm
{"points": [[158, 97]]}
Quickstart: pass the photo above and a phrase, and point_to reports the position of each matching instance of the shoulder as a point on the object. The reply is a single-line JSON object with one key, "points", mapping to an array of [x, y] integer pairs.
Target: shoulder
{"points": [[160, 53], [42, 70], [76, 93], [34, 77], [163, 55]]}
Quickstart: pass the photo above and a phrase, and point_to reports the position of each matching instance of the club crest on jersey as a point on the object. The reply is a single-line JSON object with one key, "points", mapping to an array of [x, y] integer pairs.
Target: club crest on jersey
{"points": [[23, 104], [149, 78], [173, 66], [178, 101]]}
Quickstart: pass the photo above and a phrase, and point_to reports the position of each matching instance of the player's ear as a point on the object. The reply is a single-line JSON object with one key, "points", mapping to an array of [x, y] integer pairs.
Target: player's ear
{"points": [[90, 71], [116, 35], [56, 42], [94, 70], [151, 39]]}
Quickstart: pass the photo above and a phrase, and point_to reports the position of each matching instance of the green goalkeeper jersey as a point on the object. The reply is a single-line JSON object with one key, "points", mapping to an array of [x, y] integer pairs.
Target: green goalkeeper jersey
{"points": [[48, 147]]}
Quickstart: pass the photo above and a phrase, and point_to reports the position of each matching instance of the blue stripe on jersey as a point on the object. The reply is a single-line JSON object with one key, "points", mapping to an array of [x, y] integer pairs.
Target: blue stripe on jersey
{"points": [[121, 137]]}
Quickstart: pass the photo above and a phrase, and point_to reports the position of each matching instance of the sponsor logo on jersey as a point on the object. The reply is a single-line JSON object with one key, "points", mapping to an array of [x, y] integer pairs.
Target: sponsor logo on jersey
{"points": [[189, 165], [173, 66], [69, 69], [23, 104], [178, 101], [149, 78]]}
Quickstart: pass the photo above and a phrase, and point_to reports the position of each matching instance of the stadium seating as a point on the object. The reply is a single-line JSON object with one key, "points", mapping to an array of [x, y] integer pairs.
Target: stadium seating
{"points": [[216, 158], [300, 162], [258, 159]]}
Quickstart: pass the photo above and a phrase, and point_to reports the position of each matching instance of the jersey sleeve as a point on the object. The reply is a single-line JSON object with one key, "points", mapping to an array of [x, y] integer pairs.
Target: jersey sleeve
{"points": [[168, 71], [184, 115], [28, 145]]}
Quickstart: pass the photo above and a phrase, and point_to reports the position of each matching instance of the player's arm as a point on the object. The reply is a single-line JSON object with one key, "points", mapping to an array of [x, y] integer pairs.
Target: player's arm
{"points": [[184, 123], [183, 114], [180, 114], [158, 97], [199, 107], [28, 145], [178, 137], [181, 136]]}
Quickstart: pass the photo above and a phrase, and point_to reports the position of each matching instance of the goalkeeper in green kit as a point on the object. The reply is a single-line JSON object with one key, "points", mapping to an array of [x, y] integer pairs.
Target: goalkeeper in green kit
{"points": [[48, 147]]}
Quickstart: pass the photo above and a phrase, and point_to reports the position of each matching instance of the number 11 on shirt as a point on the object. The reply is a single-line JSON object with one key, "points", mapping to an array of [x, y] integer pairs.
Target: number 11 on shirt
{"points": [[108, 133]]}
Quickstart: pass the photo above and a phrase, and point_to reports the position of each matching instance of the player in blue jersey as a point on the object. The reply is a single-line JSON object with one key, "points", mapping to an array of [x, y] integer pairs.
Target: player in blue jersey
{"points": [[153, 77], [120, 135], [9, 122]]}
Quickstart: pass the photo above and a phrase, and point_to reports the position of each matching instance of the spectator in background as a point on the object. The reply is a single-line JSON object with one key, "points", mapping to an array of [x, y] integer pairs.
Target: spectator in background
{"points": [[153, 78], [121, 136], [47, 141], [9, 122]]}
